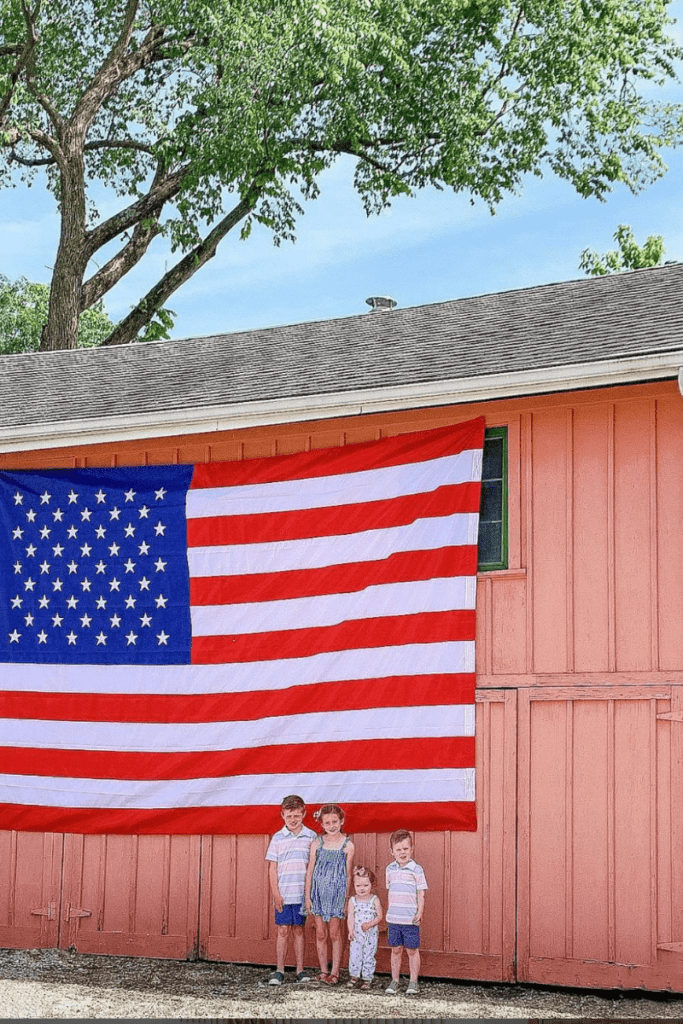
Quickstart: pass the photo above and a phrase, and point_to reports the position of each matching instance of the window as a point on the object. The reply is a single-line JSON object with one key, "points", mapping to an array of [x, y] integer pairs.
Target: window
{"points": [[493, 512]]}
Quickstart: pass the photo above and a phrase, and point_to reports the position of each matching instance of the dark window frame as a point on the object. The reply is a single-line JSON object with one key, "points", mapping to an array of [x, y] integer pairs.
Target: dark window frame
{"points": [[502, 432]]}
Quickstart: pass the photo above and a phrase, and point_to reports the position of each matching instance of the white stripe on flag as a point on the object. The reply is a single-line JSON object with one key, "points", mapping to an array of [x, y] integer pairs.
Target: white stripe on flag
{"points": [[185, 737], [382, 601], [326, 491], [316, 552], [329, 667], [396, 786]]}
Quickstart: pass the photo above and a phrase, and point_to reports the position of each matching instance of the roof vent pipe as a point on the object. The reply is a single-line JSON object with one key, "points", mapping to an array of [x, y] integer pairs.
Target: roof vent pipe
{"points": [[381, 302]]}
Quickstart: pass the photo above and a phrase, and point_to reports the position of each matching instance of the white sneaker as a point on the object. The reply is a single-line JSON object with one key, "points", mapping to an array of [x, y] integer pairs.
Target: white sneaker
{"points": [[392, 988], [412, 989]]}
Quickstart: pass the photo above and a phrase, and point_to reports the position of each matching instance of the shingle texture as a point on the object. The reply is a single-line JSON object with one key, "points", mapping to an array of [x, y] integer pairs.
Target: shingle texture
{"points": [[606, 318]]}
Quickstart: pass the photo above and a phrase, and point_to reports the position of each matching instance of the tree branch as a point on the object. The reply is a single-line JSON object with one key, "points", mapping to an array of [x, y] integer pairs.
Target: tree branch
{"points": [[118, 66], [44, 101], [41, 138], [129, 328], [24, 53], [119, 265], [142, 147], [46, 161], [164, 187]]}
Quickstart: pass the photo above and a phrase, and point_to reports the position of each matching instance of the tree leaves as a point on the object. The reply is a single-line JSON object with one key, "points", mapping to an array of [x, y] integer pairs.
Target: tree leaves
{"points": [[199, 113]]}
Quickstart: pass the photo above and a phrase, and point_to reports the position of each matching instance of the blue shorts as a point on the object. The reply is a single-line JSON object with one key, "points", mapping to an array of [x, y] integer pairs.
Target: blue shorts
{"points": [[407, 935], [290, 914]]}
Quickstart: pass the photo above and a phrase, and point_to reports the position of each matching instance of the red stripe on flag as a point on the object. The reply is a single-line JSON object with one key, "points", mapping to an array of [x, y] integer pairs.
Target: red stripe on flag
{"points": [[347, 695], [420, 446], [455, 815], [337, 520], [368, 755], [428, 627], [401, 567]]}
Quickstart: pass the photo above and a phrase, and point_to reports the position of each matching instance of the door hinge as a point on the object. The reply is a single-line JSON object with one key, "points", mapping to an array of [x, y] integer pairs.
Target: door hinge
{"points": [[672, 947], [672, 716], [50, 911]]}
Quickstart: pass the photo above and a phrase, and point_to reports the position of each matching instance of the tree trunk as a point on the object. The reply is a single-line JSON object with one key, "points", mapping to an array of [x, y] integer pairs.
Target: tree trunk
{"points": [[61, 330]]}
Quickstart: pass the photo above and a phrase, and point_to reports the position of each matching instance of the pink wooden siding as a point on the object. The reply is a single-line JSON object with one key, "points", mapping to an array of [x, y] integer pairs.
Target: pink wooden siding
{"points": [[600, 836], [575, 875]]}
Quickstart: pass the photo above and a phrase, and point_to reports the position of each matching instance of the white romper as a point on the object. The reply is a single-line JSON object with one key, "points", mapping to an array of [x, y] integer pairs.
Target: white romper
{"points": [[363, 945]]}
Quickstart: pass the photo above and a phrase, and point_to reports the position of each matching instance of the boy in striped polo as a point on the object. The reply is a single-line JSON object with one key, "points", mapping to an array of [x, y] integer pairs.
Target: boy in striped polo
{"points": [[287, 857], [406, 886]]}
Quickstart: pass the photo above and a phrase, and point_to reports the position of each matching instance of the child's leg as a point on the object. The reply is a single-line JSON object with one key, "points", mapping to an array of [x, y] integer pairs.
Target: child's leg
{"points": [[336, 942], [298, 937], [396, 954], [369, 954], [321, 942], [281, 940], [413, 963], [355, 959]]}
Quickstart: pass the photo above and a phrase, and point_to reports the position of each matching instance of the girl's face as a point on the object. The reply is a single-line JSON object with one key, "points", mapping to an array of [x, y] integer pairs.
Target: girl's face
{"points": [[362, 885], [331, 824]]}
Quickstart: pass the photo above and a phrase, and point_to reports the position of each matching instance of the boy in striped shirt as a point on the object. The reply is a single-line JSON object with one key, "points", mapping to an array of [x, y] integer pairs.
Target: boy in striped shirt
{"points": [[287, 857], [406, 886]]}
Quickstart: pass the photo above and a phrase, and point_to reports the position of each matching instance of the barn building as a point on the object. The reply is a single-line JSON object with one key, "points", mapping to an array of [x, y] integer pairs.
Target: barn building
{"points": [[575, 874]]}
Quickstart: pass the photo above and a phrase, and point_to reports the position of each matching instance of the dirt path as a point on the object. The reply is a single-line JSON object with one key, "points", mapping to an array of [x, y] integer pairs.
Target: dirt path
{"points": [[55, 983]]}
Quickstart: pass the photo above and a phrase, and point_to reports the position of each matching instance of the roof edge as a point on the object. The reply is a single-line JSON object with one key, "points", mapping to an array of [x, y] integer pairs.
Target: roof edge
{"points": [[454, 391]]}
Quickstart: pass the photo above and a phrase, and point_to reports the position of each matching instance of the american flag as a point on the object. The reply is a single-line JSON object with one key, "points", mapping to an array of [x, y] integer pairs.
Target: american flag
{"points": [[181, 647]]}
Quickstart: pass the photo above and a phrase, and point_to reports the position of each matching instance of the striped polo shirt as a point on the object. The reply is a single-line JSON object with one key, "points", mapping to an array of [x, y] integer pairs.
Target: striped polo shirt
{"points": [[403, 884], [290, 853]]}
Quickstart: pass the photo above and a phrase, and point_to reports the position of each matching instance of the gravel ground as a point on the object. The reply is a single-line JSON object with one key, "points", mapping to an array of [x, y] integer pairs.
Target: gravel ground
{"points": [[56, 983]]}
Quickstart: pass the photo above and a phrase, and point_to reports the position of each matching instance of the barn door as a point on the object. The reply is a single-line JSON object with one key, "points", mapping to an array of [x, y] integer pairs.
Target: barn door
{"points": [[30, 883], [601, 837], [130, 895]]}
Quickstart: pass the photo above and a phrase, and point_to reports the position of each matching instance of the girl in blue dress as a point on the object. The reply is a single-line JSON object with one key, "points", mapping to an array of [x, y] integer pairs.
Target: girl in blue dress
{"points": [[328, 881]]}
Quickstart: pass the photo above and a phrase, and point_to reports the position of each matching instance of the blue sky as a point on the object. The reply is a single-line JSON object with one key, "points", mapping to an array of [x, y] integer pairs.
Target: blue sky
{"points": [[427, 249]]}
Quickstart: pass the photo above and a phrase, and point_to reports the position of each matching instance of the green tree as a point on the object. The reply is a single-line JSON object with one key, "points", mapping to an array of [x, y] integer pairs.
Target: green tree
{"points": [[204, 116], [629, 256], [23, 313]]}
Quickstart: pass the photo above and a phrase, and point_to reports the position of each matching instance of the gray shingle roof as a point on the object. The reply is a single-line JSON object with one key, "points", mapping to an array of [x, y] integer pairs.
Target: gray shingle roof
{"points": [[607, 318]]}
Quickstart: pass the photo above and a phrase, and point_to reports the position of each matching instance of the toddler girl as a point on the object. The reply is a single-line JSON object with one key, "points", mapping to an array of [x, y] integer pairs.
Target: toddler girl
{"points": [[364, 917], [327, 887]]}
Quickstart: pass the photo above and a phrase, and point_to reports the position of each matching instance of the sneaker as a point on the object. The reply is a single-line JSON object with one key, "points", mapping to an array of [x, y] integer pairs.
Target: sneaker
{"points": [[412, 989], [392, 988], [276, 978], [302, 978]]}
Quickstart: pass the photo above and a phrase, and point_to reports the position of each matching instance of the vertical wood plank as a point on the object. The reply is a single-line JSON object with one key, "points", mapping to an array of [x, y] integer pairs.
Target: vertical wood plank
{"points": [[526, 531], [550, 540], [569, 540], [632, 535], [669, 546], [590, 539], [654, 540], [590, 875]]}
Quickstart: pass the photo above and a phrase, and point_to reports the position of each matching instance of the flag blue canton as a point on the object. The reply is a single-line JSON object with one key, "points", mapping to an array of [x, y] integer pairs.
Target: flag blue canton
{"points": [[93, 566]]}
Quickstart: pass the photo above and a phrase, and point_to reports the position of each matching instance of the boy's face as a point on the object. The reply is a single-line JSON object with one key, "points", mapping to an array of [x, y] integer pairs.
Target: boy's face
{"points": [[402, 851], [293, 818]]}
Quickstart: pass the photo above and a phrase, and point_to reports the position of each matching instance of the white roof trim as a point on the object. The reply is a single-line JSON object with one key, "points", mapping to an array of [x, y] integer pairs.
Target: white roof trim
{"points": [[577, 376]]}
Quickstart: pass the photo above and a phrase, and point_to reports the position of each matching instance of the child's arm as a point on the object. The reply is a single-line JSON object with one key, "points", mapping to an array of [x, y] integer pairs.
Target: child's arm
{"points": [[350, 919], [313, 852], [350, 850], [274, 887], [420, 906], [377, 919]]}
